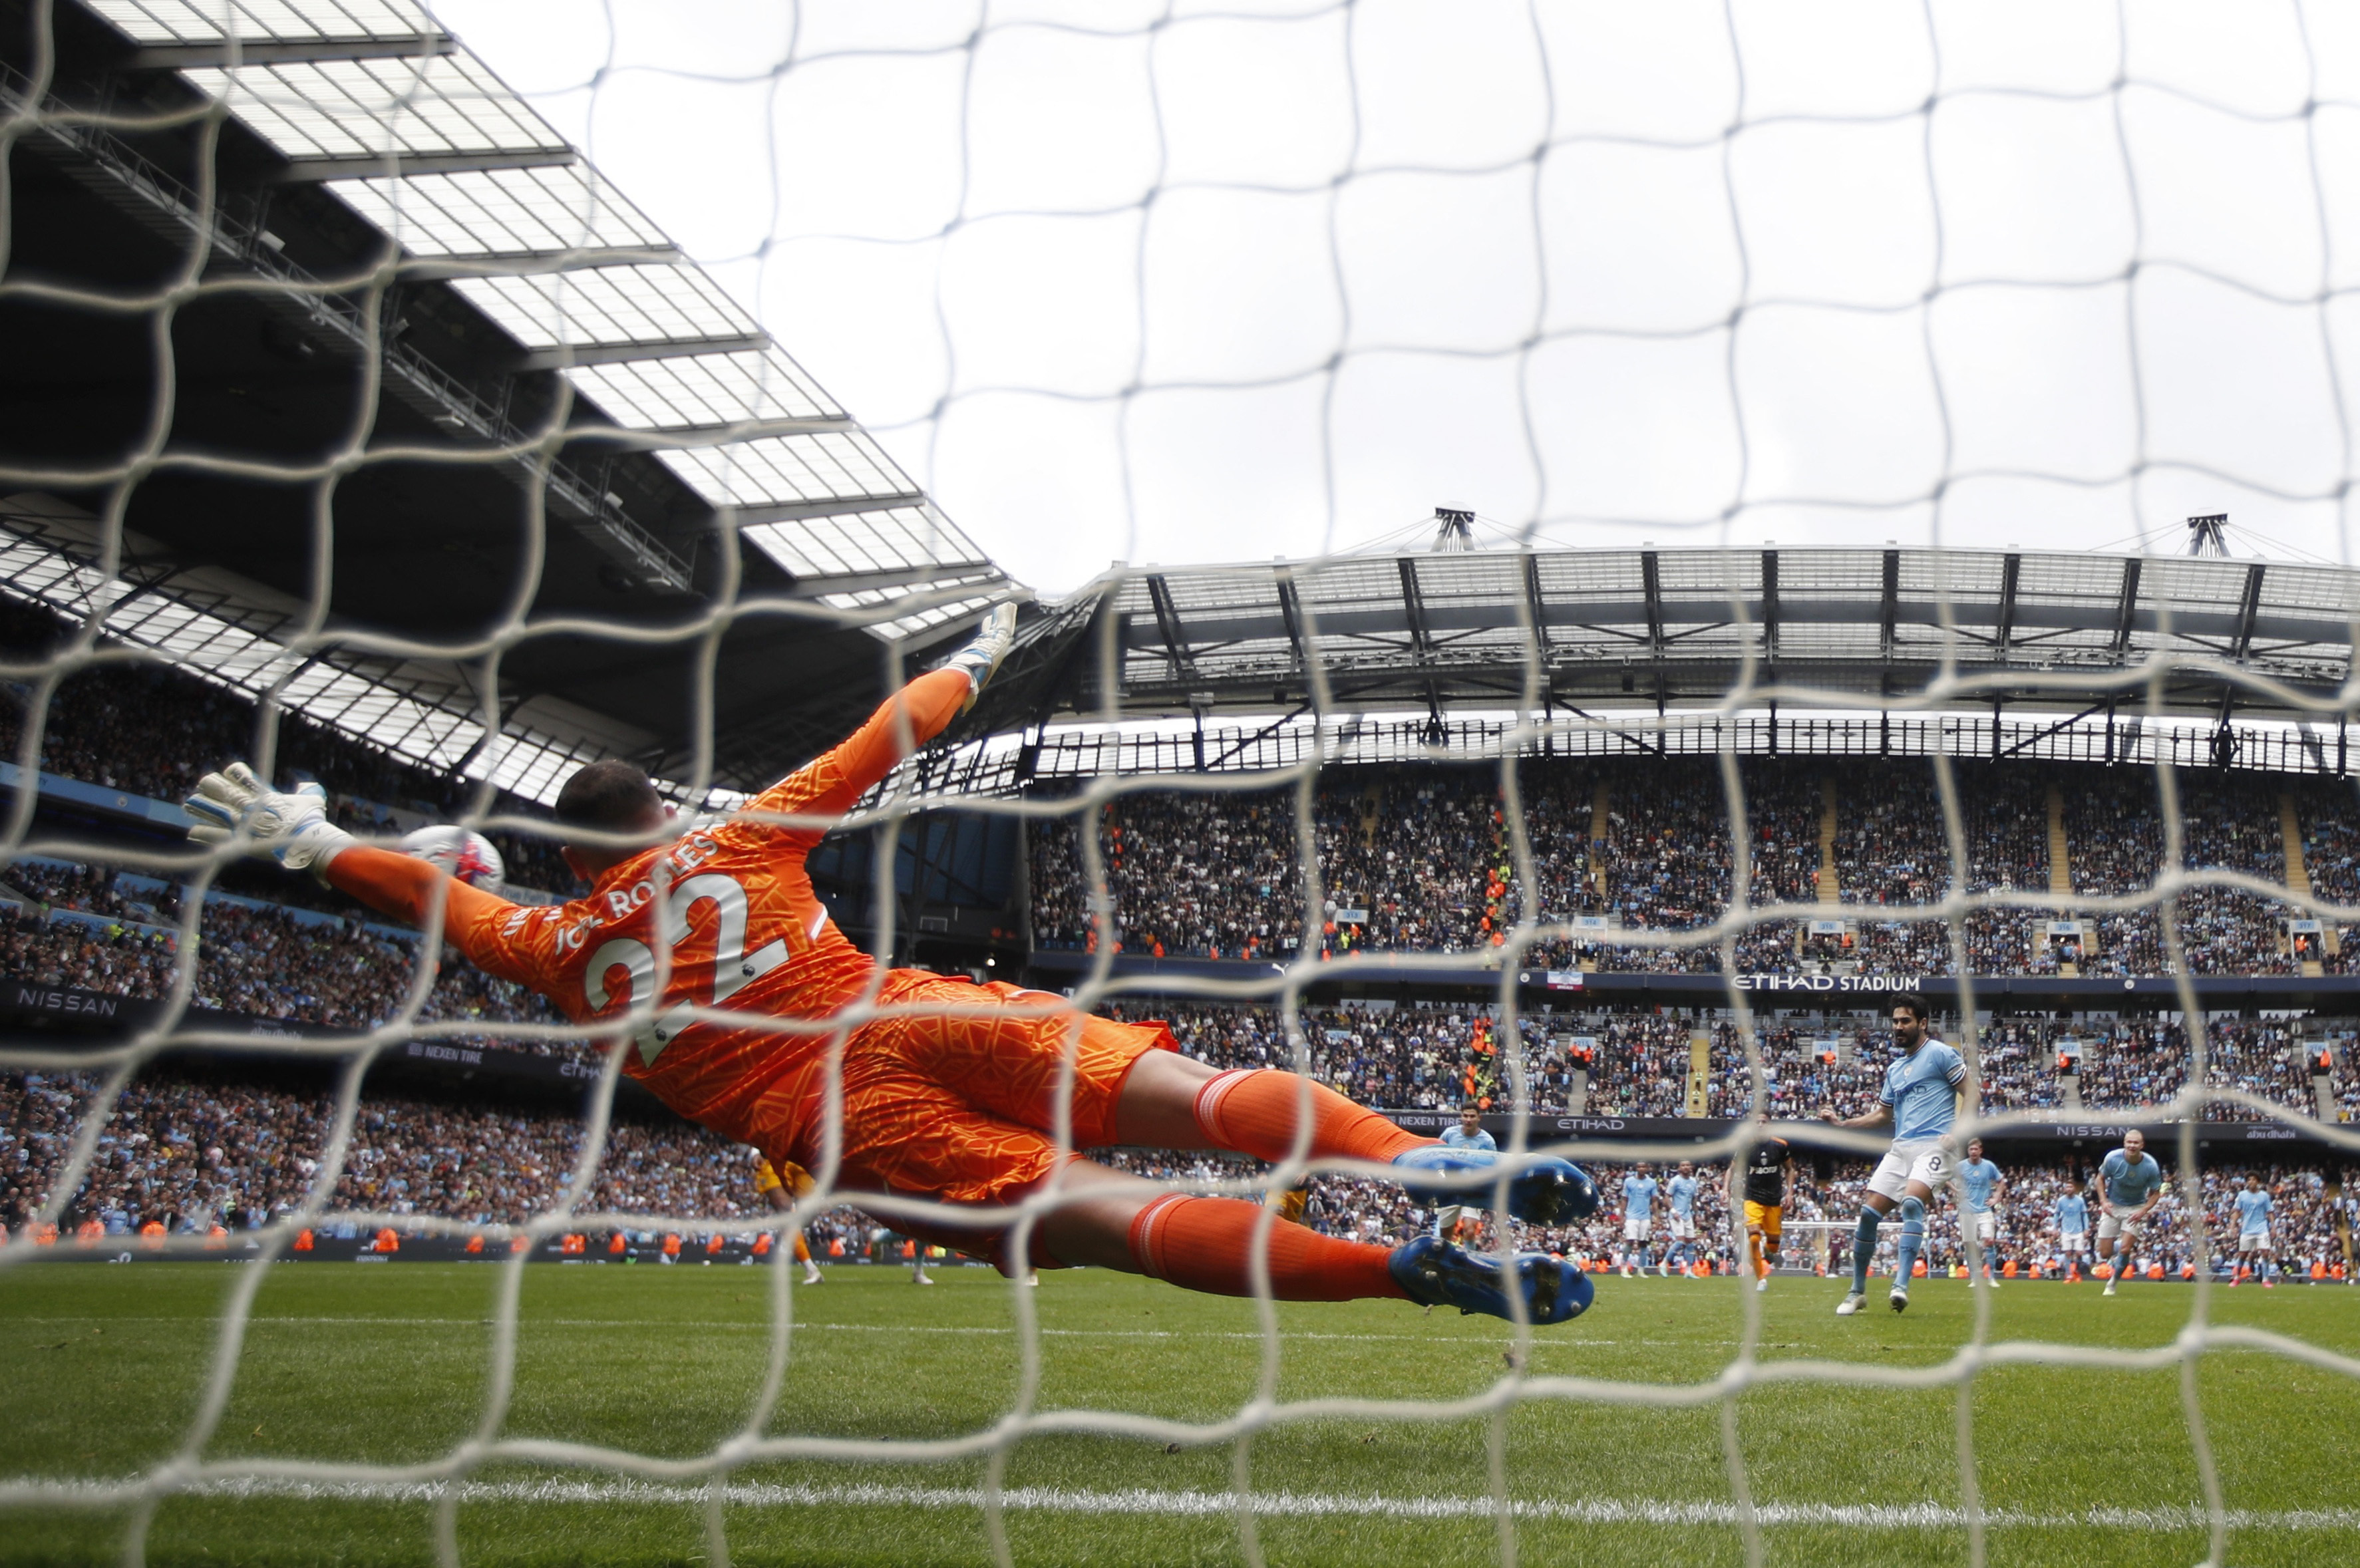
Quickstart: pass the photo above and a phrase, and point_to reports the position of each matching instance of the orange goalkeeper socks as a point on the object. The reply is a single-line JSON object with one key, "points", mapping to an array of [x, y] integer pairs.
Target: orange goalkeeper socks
{"points": [[1253, 1111], [1206, 1244]]}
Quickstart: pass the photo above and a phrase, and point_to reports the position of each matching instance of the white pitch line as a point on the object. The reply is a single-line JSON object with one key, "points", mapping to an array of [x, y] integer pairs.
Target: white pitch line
{"points": [[1143, 1502]]}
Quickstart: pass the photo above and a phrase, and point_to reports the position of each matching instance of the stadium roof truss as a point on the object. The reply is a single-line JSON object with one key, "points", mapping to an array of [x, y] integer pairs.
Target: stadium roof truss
{"points": [[1662, 629], [378, 192], [244, 637]]}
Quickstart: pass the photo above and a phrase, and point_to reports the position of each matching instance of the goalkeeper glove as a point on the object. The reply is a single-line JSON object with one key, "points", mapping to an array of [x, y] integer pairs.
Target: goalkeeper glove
{"points": [[982, 655], [293, 827]]}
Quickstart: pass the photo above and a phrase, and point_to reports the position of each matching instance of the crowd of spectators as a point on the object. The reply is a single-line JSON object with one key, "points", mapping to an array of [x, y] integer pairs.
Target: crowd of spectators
{"points": [[1421, 860], [255, 959], [202, 1155], [1634, 1063], [149, 730], [193, 1153]]}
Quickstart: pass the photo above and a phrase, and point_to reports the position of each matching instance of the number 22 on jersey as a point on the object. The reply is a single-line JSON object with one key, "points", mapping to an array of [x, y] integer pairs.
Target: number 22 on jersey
{"points": [[733, 966]]}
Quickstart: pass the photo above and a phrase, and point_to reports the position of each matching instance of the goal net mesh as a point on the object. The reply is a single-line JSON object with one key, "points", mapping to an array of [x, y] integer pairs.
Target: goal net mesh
{"points": [[1683, 273]]}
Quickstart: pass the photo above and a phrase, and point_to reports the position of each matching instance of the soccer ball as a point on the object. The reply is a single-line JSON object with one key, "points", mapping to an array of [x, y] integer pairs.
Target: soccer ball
{"points": [[469, 857]]}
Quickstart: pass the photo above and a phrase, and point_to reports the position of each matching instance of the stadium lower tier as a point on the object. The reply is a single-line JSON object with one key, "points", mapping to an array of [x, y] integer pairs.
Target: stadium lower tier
{"points": [[211, 1157]]}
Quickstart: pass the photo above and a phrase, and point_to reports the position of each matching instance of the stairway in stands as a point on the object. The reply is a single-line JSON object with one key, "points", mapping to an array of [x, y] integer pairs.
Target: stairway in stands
{"points": [[2060, 867], [1598, 808], [2298, 874], [1829, 893]]}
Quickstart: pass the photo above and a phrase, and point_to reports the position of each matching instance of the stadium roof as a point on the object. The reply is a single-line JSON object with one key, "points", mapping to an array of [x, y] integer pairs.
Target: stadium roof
{"points": [[1667, 629], [561, 422]]}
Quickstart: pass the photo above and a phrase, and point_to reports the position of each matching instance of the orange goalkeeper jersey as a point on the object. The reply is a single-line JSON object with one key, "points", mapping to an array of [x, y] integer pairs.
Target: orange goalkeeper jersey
{"points": [[729, 907]]}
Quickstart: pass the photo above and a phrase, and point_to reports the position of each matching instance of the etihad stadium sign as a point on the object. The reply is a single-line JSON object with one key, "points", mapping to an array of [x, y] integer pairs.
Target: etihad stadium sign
{"points": [[1853, 983]]}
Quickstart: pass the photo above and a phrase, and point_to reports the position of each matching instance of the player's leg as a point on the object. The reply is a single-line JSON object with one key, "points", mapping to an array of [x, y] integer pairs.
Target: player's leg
{"points": [[1929, 1169], [804, 1256], [2114, 1249], [1914, 1201], [1005, 1049], [904, 1133], [1886, 1187], [1773, 1241], [1171, 1101], [1121, 1222]]}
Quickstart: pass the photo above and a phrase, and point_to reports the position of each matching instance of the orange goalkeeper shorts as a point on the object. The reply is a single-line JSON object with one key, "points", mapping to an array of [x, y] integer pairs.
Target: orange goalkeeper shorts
{"points": [[960, 1105]]}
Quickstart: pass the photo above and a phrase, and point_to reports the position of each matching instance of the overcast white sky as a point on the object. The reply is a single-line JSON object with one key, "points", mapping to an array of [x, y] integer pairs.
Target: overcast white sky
{"points": [[1126, 281]]}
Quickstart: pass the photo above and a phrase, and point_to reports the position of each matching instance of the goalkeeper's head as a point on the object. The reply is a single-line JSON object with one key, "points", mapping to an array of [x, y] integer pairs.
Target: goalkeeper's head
{"points": [[609, 799]]}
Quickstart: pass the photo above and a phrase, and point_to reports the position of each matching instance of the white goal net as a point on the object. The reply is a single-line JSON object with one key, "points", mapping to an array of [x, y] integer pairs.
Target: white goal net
{"points": [[1155, 283]]}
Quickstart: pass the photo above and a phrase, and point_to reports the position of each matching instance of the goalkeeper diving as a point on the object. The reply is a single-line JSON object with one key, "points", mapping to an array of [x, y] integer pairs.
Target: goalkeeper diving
{"points": [[950, 1090]]}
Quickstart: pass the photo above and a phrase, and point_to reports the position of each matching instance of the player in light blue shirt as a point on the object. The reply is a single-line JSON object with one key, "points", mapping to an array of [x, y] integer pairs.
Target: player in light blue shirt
{"points": [[1638, 1218], [2253, 1205], [1467, 1133], [2072, 1226], [1924, 1088], [1680, 1195], [1979, 1188], [2130, 1184]]}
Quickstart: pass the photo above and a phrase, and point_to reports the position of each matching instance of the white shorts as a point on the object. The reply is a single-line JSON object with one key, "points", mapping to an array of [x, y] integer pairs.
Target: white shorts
{"points": [[1986, 1225], [1920, 1160], [2113, 1226], [1683, 1227], [1636, 1229], [2254, 1241], [2073, 1241]]}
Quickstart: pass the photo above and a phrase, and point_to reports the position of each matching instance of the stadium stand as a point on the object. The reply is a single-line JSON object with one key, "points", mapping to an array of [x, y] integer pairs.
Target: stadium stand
{"points": [[1208, 874], [1414, 859]]}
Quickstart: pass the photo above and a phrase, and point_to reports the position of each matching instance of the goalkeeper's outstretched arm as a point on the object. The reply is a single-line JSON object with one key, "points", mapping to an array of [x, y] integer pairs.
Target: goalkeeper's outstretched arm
{"points": [[293, 827], [906, 721]]}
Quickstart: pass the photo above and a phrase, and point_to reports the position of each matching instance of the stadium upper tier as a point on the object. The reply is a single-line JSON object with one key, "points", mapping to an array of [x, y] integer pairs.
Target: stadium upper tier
{"points": [[1663, 628], [1627, 856]]}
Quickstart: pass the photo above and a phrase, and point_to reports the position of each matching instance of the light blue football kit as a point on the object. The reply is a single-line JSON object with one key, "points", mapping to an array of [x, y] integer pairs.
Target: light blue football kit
{"points": [[2072, 1220], [2253, 1206], [1922, 1087], [1457, 1137], [2129, 1184], [1681, 1193], [1977, 1180]]}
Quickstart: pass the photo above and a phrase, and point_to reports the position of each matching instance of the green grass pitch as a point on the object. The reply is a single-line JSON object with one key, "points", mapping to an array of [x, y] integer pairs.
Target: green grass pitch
{"points": [[390, 1364]]}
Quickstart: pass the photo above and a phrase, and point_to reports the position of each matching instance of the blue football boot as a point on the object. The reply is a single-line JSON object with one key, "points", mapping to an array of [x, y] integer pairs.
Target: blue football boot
{"points": [[1438, 1274], [1549, 1191]]}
